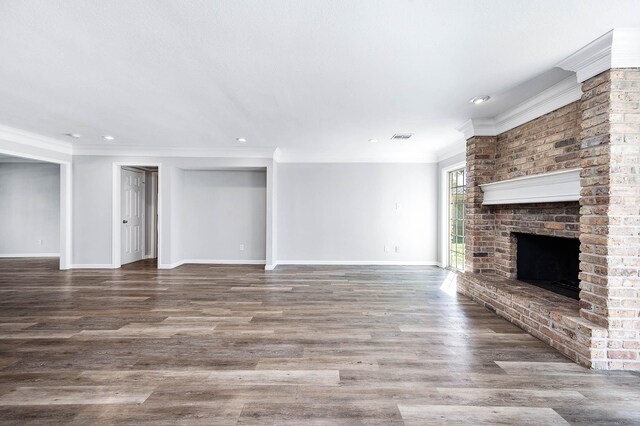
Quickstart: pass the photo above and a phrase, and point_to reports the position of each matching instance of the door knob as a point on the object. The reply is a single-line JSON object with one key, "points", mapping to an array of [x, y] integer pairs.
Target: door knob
{"points": [[125, 221]]}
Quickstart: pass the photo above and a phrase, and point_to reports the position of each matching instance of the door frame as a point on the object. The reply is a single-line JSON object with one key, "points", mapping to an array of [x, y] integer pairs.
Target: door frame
{"points": [[444, 212], [65, 200], [116, 240], [153, 207]]}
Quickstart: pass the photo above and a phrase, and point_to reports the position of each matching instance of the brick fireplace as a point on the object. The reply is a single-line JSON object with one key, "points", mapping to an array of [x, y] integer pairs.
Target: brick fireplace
{"points": [[597, 137]]}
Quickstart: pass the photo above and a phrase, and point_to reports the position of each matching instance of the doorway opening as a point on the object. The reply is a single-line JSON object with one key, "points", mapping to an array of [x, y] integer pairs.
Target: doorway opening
{"points": [[35, 209], [136, 213], [456, 218]]}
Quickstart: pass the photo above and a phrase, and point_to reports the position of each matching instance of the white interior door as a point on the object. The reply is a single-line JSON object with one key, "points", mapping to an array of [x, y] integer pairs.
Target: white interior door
{"points": [[132, 205]]}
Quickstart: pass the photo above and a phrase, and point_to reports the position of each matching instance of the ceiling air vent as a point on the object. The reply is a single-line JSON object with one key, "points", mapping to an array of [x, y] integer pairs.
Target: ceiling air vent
{"points": [[401, 136]]}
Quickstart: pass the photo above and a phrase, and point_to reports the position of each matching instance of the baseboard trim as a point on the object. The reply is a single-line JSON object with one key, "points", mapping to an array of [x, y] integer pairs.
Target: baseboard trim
{"points": [[92, 266], [211, 262], [170, 265], [271, 267], [223, 262], [29, 254], [358, 262]]}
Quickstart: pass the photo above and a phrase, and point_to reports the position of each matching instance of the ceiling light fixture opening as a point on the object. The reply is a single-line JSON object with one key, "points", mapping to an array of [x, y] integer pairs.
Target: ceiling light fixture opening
{"points": [[401, 136], [74, 135], [373, 140], [108, 137], [479, 100], [241, 140]]}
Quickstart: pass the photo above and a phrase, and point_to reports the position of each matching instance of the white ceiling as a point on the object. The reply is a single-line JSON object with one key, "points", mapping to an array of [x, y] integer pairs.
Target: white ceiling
{"points": [[315, 78]]}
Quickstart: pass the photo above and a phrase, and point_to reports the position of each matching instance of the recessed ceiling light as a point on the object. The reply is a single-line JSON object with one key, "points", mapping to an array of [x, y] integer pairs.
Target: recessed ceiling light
{"points": [[373, 140], [107, 137], [74, 135], [242, 140], [479, 99]]}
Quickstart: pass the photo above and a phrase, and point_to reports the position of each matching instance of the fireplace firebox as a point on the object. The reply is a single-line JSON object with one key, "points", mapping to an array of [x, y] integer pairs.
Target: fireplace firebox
{"points": [[549, 262]]}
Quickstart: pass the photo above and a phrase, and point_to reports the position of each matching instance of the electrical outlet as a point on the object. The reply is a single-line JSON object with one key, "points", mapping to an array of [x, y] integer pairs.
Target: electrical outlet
{"points": [[386, 249], [397, 249], [40, 242], [241, 247], [397, 206]]}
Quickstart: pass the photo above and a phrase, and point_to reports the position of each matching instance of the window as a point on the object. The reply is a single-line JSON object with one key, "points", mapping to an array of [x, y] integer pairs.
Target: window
{"points": [[457, 180]]}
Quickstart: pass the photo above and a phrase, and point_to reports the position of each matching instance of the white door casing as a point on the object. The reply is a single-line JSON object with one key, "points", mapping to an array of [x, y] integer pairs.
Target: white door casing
{"points": [[153, 252], [132, 217]]}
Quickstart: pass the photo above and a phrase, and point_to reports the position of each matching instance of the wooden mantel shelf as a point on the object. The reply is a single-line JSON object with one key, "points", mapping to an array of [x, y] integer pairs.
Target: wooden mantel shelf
{"points": [[551, 187]]}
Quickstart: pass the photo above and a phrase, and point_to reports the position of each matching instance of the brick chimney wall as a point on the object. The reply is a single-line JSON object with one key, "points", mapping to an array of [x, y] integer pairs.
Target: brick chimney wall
{"points": [[600, 134], [610, 212], [546, 144]]}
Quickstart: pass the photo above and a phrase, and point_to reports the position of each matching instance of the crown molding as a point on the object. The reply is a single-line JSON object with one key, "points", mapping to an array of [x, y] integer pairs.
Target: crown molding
{"points": [[277, 154], [22, 137], [626, 48], [144, 151], [619, 48], [592, 59], [18, 160], [478, 127], [428, 157], [467, 129], [556, 96]]}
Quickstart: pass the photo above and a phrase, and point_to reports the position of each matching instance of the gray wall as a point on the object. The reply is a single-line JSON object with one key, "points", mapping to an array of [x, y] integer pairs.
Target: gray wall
{"points": [[92, 203], [29, 208], [92, 198], [220, 211], [347, 212], [325, 212]]}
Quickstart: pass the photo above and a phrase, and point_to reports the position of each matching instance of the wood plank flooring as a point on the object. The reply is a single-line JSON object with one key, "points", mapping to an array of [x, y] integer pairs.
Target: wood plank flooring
{"points": [[298, 345]]}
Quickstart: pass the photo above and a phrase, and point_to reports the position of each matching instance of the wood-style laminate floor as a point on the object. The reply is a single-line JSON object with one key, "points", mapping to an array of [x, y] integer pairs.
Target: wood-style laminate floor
{"points": [[299, 345]]}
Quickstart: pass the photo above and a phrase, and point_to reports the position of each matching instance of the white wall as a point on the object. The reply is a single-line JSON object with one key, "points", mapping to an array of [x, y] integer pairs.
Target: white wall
{"points": [[220, 211], [346, 212], [29, 208]]}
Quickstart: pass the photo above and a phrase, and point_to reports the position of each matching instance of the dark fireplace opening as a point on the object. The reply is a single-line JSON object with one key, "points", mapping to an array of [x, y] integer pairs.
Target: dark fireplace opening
{"points": [[549, 262]]}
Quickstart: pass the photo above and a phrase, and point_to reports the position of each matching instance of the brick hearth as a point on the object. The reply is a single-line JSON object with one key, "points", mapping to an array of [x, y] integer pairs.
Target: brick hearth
{"points": [[600, 134], [552, 318]]}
